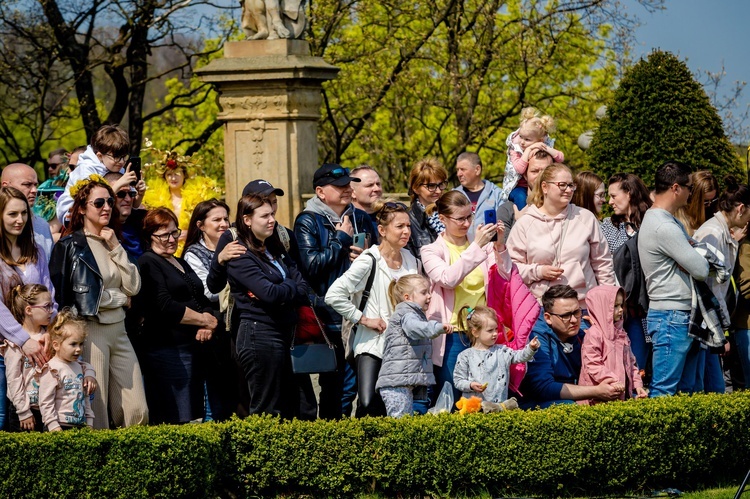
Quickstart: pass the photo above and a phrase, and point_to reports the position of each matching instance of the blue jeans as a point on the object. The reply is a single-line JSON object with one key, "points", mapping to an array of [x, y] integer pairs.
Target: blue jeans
{"points": [[634, 327], [454, 344], [3, 395], [350, 390], [713, 379], [518, 197], [742, 340], [675, 360]]}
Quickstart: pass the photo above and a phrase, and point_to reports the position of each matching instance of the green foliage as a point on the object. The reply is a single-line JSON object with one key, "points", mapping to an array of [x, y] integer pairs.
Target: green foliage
{"points": [[682, 442], [659, 113]]}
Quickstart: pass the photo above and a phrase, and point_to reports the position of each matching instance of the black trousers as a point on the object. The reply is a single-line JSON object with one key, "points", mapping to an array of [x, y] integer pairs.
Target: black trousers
{"points": [[370, 403]]}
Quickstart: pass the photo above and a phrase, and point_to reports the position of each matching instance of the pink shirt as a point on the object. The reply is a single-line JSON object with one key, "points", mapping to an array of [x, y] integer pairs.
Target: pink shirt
{"points": [[62, 400]]}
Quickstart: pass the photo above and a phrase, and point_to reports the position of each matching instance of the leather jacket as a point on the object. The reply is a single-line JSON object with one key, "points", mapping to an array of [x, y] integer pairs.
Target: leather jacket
{"points": [[76, 275], [421, 232], [324, 254]]}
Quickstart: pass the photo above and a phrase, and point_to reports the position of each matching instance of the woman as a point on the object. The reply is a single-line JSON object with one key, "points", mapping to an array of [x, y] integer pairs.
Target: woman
{"points": [[209, 221], [177, 321], [174, 183], [21, 262], [427, 181], [91, 271], [391, 261], [267, 288], [557, 242], [702, 203], [589, 193], [459, 272], [629, 198], [733, 214]]}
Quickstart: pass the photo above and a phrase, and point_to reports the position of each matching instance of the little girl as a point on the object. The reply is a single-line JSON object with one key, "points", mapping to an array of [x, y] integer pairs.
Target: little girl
{"points": [[606, 353], [63, 393], [531, 136], [406, 371], [484, 369], [32, 307]]}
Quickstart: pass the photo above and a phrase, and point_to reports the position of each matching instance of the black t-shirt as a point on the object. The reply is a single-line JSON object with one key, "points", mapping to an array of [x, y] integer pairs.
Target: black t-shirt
{"points": [[474, 197]]}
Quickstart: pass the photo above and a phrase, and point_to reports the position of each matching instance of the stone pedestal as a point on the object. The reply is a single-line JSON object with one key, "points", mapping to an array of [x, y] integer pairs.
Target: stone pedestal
{"points": [[269, 100]]}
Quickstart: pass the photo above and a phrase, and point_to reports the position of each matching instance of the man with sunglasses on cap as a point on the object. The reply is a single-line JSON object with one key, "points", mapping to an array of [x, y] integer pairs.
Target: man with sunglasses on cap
{"points": [[131, 218], [552, 378], [325, 233], [483, 194]]}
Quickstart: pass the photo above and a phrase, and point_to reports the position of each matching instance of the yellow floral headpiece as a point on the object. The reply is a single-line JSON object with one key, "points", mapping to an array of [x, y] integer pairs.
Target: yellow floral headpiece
{"points": [[170, 160], [91, 178]]}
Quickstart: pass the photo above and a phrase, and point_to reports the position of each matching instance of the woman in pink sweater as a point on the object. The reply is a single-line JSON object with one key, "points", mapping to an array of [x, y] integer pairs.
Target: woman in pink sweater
{"points": [[556, 242]]}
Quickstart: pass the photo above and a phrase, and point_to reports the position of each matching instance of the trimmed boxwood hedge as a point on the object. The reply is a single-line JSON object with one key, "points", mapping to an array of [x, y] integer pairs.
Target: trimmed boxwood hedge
{"points": [[682, 442]]}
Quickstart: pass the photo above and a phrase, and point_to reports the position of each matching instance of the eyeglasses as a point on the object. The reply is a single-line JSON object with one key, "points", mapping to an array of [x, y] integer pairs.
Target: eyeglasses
{"points": [[338, 172], [601, 196], [710, 202], [568, 315], [462, 220], [99, 202], [47, 307], [164, 238], [432, 186], [689, 187], [121, 159], [564, 186], [123, 194]]}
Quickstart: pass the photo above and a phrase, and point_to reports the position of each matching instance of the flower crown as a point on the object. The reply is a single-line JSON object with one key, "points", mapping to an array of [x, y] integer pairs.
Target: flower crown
{"points": [[169, 160], [91, 178]]}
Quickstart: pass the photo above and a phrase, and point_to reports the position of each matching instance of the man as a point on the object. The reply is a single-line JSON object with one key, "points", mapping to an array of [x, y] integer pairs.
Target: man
{"points": [[552, 377], [325, 233], [367, 192], [484, 195], [508, 213], [669, 261], [73, 160], [56, 160], [131, 219], [24, 178]]}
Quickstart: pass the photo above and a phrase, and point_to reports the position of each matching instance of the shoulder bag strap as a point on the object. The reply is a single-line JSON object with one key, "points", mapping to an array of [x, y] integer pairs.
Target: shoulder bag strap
{"points": [[368, 285]]}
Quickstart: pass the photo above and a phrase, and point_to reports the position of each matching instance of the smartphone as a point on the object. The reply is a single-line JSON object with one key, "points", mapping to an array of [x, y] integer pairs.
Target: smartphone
{"points": [[135, 166], [361, 240], [490, 218]]}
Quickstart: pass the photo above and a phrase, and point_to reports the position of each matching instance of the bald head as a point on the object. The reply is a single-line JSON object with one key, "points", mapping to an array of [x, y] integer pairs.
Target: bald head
{"points": [[22, 177]]}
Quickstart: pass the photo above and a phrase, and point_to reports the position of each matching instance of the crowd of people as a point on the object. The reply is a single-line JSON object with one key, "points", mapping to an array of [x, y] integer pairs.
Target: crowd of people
{"points": [[119, 313]]}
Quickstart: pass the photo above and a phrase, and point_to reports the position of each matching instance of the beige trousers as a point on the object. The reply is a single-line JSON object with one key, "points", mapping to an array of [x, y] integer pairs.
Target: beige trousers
{"points": [[118, 374]]}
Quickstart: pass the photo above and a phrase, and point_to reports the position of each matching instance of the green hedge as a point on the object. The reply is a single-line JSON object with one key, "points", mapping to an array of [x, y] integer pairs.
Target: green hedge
{"points": [[682, 442]]}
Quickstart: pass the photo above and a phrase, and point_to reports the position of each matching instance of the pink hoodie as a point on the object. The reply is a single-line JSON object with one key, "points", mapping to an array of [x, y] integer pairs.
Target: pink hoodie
{"points": [[584, 252], [606, 353]]}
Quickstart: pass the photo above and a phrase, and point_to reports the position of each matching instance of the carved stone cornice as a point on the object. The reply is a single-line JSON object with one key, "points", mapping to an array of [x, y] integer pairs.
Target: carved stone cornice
{"points": [[295, 103]]}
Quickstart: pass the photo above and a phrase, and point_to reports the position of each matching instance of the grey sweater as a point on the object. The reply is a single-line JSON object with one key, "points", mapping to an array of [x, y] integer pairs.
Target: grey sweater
{"points": [[664, 247], [488, 366]]}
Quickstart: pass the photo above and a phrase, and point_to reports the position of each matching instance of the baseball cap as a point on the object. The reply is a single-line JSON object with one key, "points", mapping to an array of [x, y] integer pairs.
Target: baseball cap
{"points": [[262, 188], [332, 174]]}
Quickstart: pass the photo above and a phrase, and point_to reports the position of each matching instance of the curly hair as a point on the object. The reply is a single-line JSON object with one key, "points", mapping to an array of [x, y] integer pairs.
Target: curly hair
{"points": [[66, 323]]}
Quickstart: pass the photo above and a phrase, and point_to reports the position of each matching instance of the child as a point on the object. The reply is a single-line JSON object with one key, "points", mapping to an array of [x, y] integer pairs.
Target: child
{"points": [[406, 371], [63, 393], [484, 369], [32, 307], [606, 353], [108, 152], [532, 135]]}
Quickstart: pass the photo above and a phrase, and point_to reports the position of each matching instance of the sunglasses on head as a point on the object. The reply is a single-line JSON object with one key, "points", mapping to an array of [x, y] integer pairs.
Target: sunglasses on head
{"points": [[122, 194], [338, 172], [99, 202]]}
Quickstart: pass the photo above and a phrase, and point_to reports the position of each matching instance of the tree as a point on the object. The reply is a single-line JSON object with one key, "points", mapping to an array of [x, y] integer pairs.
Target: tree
{"points": [[659, 112]]}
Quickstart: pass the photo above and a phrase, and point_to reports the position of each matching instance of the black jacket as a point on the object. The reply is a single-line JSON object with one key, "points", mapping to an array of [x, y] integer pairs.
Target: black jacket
{"points": [[76, 275], [421, 232]]}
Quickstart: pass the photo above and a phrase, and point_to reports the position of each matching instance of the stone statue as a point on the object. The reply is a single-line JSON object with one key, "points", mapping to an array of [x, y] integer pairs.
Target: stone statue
{"points": [[272, 19]]}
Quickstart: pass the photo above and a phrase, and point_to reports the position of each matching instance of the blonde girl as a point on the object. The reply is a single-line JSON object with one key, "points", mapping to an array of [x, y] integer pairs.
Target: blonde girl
{"points": [[531, 136], [63, 392], [406, 371], [32, 306], [484, 369]]}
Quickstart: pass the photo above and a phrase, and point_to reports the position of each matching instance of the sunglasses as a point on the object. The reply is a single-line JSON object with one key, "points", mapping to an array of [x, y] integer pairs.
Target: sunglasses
{"points": [[391, 205], [99, 202], [123, 194], [338, 172]]}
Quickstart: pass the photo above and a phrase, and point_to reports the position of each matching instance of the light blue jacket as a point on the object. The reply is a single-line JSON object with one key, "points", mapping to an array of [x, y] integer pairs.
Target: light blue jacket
{"points": [[491, 198]]}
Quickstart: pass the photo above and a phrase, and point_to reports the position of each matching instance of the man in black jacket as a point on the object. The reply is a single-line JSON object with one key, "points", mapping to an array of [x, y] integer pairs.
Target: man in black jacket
{"points": [[325, 232]]}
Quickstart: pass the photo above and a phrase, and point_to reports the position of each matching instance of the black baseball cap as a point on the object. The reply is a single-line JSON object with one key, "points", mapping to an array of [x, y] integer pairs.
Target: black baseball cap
{"points": [[332, 174], [262, 188]]}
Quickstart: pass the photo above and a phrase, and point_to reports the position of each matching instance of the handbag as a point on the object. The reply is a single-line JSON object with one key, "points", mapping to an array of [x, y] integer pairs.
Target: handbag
{"points": [[348, 328], [315, 357]]}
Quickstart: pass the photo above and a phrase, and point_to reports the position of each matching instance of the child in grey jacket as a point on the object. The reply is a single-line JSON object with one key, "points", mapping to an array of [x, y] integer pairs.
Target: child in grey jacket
{"points": [[406, 371], [484, 369]]}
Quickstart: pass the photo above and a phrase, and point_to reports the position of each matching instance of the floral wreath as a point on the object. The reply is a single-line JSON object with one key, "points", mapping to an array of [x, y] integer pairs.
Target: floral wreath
{"points": [[170, 160], [91, 178]]}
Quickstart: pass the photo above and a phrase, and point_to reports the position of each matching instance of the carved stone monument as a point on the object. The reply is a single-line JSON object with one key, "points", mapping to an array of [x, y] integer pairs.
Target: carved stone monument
{"points": [[269, 100]]}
